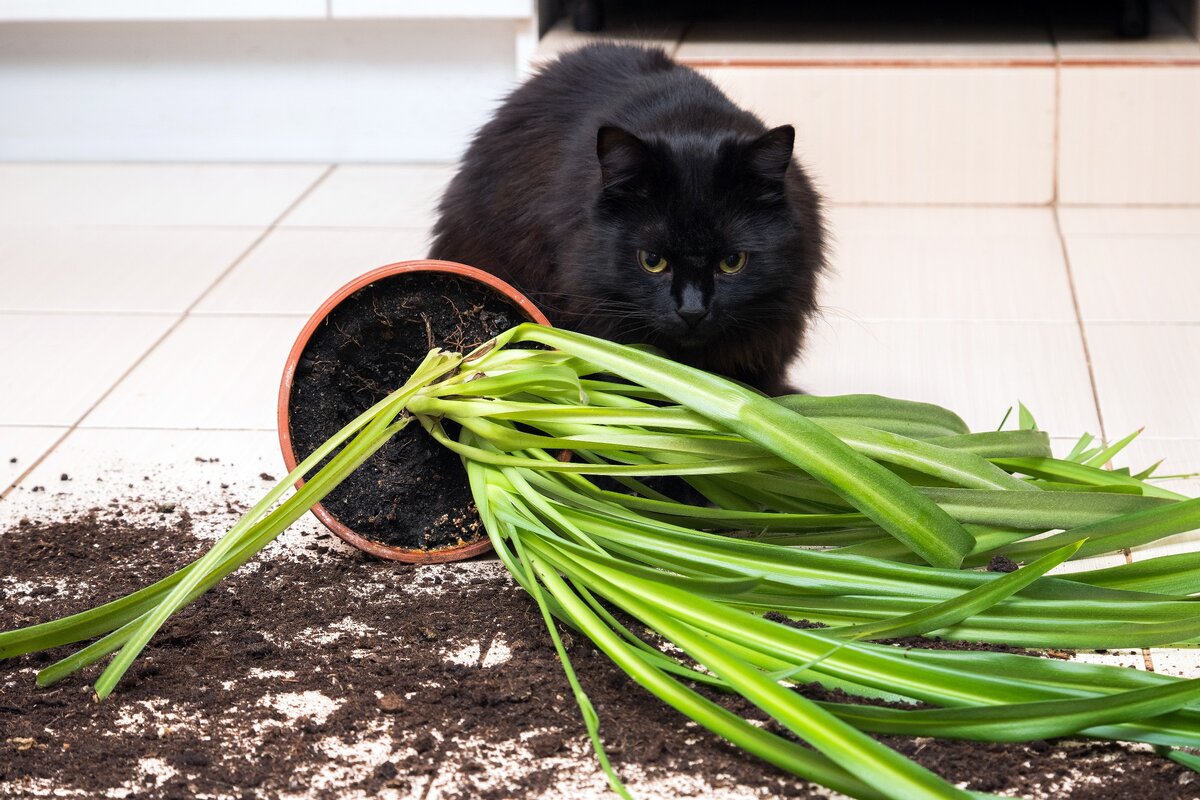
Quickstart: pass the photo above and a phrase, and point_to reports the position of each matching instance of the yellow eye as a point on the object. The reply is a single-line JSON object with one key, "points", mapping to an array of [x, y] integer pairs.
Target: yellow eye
{"points": [[734, 262], [651, 262]]}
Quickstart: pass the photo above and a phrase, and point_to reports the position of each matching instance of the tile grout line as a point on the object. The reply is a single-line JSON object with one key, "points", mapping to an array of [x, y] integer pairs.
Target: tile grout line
{"points": [[1087, 356], [1057, 144], [259, 240], [4, 493], [1087, 352]]}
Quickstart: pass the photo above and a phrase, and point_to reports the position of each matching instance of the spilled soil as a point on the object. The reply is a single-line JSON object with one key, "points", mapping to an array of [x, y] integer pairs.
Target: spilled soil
{"points": [[319, 672], [412, 492]]}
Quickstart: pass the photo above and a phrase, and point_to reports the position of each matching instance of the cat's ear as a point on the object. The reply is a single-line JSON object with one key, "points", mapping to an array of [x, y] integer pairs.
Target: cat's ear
{"points": [[622, 156], [770, 154]]}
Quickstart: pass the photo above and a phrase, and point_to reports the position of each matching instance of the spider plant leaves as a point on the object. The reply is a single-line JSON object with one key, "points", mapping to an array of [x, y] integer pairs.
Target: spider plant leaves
{"points": [[1119, 531], [1108, 453], [1060, 470], [770, 747], [1022, 722], [873, 490], [957, 467], [998, 444], [1046, 510], [1178, 574], [968, 604], [903, 417], [843, 744]]}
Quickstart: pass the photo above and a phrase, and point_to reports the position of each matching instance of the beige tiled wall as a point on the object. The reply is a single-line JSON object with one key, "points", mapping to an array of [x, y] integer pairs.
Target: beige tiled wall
{"points": [[912, 134], [1129, 134], [958, 110]]}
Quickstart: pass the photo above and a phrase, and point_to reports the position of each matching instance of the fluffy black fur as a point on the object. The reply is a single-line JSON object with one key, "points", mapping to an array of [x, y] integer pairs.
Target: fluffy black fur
{"points": [[614, 149]]}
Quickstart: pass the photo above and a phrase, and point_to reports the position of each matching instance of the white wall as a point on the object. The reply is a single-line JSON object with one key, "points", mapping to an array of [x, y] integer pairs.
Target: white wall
{"points": [[321, 90]]}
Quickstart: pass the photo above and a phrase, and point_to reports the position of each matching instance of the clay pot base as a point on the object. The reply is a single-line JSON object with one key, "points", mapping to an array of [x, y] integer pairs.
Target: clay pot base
{"points": [[411, 500]]}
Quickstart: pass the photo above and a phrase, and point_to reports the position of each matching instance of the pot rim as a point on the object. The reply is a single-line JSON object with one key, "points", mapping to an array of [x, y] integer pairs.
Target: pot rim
{"points": [[390, 552]]}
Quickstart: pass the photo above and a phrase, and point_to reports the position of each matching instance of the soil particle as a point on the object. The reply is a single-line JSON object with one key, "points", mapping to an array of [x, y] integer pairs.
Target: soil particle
{"points": [[316, 673], [999, 563], [412, 493], [266, 476]]}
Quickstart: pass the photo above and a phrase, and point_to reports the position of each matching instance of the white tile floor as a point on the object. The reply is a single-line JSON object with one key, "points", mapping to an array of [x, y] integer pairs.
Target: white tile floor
{"points": [[147, 308], [158, 337]]}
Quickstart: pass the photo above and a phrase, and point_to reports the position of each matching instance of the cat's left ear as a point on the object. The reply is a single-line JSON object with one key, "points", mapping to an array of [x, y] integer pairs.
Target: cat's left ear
{"points": [[770, 154], [623, 156]]}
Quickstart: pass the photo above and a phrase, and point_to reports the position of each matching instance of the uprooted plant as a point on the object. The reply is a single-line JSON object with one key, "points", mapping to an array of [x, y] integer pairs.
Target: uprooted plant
{"points": [[862, 513]]}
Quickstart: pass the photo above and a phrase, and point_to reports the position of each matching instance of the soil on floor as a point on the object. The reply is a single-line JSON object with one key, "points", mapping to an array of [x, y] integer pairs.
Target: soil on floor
{"points": [[413, 492], [317, 672]]}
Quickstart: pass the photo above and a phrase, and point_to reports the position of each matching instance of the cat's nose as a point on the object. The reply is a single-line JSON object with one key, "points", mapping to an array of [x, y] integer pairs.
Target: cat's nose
{"points": [[690, 305]]}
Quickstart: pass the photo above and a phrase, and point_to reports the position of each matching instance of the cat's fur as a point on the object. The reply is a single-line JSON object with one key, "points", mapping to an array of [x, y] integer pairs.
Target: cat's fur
{"points": [[612, 149]]}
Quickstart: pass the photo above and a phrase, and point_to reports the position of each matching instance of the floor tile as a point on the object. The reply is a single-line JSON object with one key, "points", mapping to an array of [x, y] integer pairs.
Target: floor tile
{"points": [[1127, 134], [55, 366], [1085, 564], [1145, 376], [808, 33], [359, 196], [896, 263], [911, 135], [1117, 221], [1136, 279], [293, 270], [977, 370], [1181, 662], [211, 372], [648, 32], [213, 476], [20, 447], [1130, 659], [58, 268], [150, 194], [1084, 34], [1158, 245]]}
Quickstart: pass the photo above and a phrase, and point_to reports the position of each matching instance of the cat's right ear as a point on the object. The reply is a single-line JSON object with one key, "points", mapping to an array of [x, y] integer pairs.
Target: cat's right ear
{"points": [[622, 156]]}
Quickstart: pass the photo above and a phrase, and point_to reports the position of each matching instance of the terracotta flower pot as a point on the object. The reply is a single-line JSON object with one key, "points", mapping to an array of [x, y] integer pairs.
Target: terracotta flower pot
{"points": [[411, 555]]}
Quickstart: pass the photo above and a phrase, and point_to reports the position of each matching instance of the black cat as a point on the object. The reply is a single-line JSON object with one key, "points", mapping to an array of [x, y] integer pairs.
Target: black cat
{"points": [[630, 199]]}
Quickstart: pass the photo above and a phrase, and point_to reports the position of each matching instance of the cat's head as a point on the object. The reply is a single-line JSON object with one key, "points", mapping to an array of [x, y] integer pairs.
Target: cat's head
{"points": [[699, 239]]}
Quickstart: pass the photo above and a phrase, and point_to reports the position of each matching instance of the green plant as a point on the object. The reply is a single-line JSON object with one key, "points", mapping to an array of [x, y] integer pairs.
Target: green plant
{"points": [[899, 495]]}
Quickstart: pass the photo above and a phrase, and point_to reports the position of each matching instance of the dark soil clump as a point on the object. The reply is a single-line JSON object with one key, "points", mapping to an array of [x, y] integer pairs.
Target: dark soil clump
{"points": [[999, 563], [401, 687], [412, 493]]}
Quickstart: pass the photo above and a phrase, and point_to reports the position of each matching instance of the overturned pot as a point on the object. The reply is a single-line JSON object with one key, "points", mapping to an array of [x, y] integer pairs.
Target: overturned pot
{"points": [[410, 501]]}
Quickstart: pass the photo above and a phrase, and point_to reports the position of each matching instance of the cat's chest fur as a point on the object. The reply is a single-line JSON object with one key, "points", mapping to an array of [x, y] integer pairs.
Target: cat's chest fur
{"points": [[613, 186]]}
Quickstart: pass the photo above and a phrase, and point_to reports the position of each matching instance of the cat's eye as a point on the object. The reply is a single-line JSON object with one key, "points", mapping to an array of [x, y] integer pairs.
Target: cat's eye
{"points": [[651, 262], [734, 262]]}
